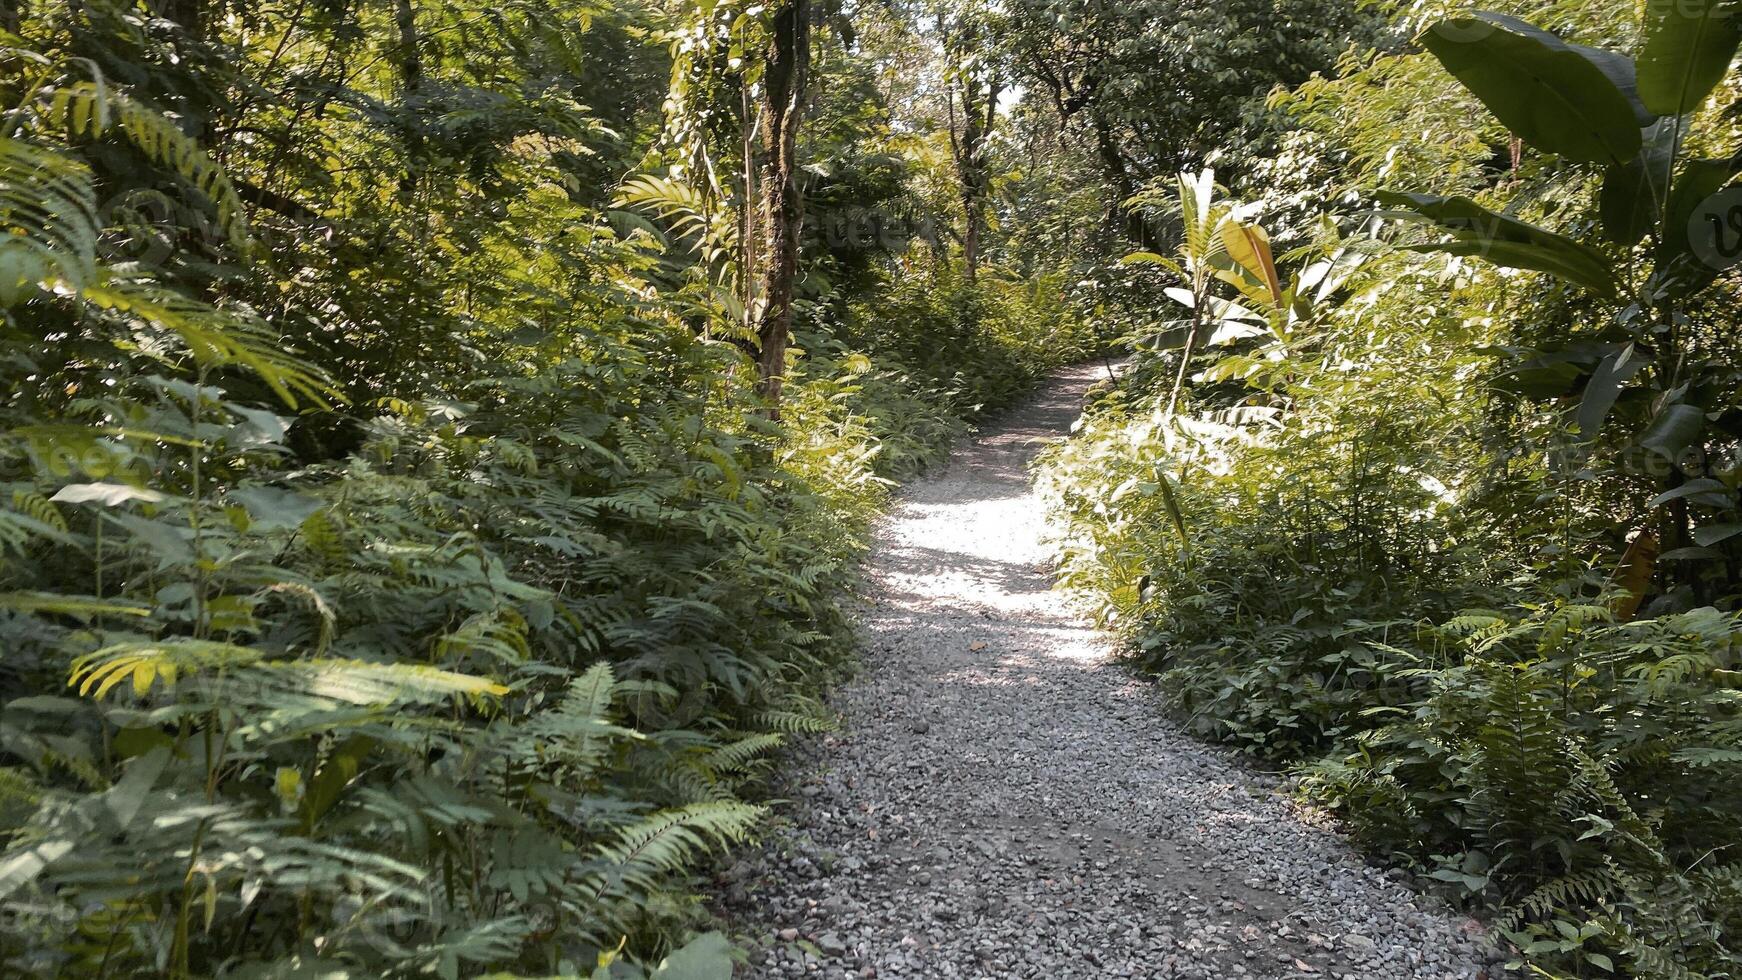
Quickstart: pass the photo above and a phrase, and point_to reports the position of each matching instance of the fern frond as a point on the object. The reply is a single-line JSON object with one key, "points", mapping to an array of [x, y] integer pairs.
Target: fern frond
{"points": [[145, 663], [48, 221], [499, 635], [683, 204], [734, 756], [669, 840], [217, 338], [91, 109], [1568, 618], [1571, 895], [364, 683]]}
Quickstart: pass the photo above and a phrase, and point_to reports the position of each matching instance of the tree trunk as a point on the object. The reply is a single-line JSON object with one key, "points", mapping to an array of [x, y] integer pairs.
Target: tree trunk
{"points": [[781, 209], [410, 64], [978, 114], [11, 15], [979, 102], [747, 267]]}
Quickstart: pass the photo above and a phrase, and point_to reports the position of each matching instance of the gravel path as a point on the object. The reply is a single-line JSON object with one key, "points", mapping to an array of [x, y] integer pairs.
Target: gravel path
{"points": [[1002, 801]]}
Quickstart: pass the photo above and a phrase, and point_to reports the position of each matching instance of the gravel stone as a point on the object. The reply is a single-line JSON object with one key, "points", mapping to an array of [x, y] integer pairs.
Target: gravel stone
{"points": [[1005, 800]]}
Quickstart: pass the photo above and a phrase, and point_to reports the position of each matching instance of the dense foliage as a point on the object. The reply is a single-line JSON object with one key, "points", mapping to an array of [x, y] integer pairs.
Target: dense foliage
{"points": [[438, 438], [402, 573], [1456, 538]]}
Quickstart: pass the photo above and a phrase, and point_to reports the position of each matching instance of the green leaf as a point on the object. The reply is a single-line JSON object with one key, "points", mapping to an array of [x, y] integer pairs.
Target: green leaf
{"points": [[1689, 45], [1698, 183], [706, 957], [1249, 246], [1690, 554], [274, 508], [1471, 883], [335, 774], [1558, 97], [1703, 229], [1634, 193], [121, 803], [71, 605], [1673, 431], [1505, 241], [1712, 534], [1604, 389], [1540, 380], [1691, 488], [1175, 516]]}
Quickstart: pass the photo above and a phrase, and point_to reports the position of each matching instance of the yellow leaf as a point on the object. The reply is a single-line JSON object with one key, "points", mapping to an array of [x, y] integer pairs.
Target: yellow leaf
{"points": [[143, 675], [1633, 575], [608, 957], [1249, 247], [288, 786], [113, 674]]}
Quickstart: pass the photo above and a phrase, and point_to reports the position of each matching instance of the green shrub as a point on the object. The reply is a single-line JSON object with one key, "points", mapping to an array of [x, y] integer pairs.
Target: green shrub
{"points": [[1573, 773]]}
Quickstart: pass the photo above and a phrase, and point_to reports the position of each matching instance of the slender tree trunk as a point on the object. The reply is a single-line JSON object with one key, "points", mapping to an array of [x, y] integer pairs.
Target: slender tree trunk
{"points": [[1200, 294], [11, 15], [410, 59], [781, 210], [978, 110], [979, 102], [747, 230], [971, 237], [410, 63]]}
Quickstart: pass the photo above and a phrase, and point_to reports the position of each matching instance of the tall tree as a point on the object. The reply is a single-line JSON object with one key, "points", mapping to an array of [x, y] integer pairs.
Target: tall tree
{"points": [[972, 82], [781, 206], [410, 65]]}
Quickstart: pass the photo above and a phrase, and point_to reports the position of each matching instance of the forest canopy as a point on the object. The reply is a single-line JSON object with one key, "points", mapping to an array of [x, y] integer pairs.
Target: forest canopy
{"points": [[439, 438]]}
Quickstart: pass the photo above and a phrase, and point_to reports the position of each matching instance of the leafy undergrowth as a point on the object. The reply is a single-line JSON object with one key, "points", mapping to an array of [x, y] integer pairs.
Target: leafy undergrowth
{"points": [[1439, 506], [1562, 771], [1343, 540], [457, 670]]}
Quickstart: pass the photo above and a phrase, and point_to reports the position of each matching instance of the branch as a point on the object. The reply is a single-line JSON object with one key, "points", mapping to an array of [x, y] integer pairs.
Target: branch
{"points": [[258, 196]]}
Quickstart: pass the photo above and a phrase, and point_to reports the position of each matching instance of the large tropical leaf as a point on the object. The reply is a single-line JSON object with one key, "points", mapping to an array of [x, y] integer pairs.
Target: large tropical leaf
{"points": [[1505, 241], [1697, 233], [1634, 193], [1688, 48], [1249, 246], [1558, 97], [707, 957], [1604, 389], [1673, 430]]}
